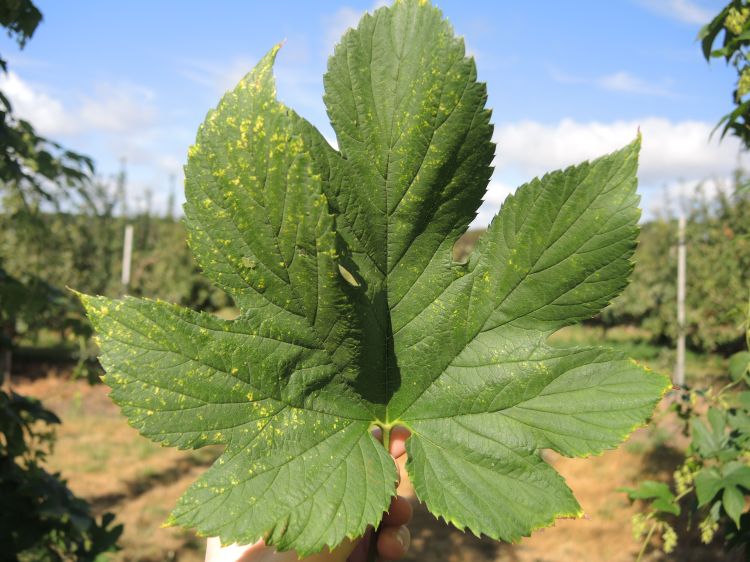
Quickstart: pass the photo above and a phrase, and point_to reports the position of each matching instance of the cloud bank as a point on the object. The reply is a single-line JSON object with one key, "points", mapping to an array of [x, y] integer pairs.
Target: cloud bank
{"points": [[676, 157], [115, 108], [671, 150]]}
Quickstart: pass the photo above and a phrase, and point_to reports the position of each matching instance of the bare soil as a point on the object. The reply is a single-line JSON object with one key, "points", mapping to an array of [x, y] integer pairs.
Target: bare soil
{"points": [[115, 469]]}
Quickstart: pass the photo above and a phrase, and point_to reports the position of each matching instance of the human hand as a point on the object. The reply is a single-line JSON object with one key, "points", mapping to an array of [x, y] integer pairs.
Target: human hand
{"points": [[392, 538]]}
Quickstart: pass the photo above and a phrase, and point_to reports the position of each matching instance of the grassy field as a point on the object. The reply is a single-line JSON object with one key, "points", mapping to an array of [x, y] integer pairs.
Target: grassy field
{"points": [[109, 464]]}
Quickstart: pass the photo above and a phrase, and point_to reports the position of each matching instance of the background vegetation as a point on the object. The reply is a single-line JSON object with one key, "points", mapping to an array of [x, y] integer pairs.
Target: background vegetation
{"points": [[62, 226]]}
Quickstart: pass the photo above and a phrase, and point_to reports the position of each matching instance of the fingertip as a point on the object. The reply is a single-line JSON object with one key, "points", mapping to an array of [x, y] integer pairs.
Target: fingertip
{"points": [[399, 513], [399, 436], [393, 542]]}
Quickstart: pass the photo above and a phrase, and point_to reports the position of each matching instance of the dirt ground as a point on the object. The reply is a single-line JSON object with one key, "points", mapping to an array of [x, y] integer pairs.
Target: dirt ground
{"points": [[109, 464]]}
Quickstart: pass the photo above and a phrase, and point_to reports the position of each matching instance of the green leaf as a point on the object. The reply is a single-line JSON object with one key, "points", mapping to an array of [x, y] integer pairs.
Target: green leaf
{"points": [[709, 440], [353, 314], [666, 506], [737, 474], [734, 503], [649, 489], [708, 483], [739, 365], [659, 492], [708, 33], [740, 421]]}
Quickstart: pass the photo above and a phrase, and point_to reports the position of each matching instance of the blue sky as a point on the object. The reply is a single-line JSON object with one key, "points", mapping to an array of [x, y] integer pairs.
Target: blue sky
{"points": [[567, 81]]}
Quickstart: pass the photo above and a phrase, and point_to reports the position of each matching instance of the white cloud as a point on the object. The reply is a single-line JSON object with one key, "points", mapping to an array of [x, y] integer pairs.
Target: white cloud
{"points": [[299, 85], [676, 157], [46, 113], [497, 191], [219, 77], [171, 164], [626, 82], [677, 196], [118, 108], [112, 108], [620, 81], [338, 23], [343, 19], [680, 10], [671, 150]]}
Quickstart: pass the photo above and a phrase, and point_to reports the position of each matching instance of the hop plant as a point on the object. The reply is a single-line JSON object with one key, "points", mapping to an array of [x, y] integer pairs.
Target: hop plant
{"points": [[683, 478], [743, 84], [669, 538], [708, 528], [639, 522], [736, 19]]}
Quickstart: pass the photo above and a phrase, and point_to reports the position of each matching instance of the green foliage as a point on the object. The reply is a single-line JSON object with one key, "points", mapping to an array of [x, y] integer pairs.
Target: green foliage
{"points": [[83, 249], [30, 304], [354, 315], [739, 365], [659, 494], [27, 300], [718, 266], [713, 482], [41, 519], [20, 18], [32, 167], [733, 22], [33, 171]]}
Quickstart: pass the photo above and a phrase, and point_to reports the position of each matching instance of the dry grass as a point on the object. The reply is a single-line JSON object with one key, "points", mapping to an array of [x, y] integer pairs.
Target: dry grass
{"points": [[109, 464]]}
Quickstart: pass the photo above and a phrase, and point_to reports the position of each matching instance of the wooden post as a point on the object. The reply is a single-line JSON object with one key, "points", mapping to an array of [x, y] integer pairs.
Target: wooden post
{"points": [[127, 256], [679, 373], [6, 355], [122, 196], [172, 197]]}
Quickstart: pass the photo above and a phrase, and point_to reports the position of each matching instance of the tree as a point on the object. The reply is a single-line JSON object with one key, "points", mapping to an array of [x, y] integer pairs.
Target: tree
{"points": [[734, 23], [33, 171], [41, 519]]}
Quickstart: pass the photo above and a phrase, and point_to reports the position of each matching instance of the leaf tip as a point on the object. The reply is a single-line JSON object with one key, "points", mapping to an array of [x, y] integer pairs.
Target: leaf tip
{"points": [[638, 141]]}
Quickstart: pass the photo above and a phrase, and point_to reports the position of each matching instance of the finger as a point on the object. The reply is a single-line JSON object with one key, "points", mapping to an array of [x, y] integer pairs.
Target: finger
{"points": [[377, 433], [257, 552], [342, 553], [393, 542], [359, 554], [399, 513], [399, 435]]}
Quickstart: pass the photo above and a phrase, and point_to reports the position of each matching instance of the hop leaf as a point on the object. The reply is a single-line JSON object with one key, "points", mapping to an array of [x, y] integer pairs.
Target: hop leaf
{"points": [[354, 314]]}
